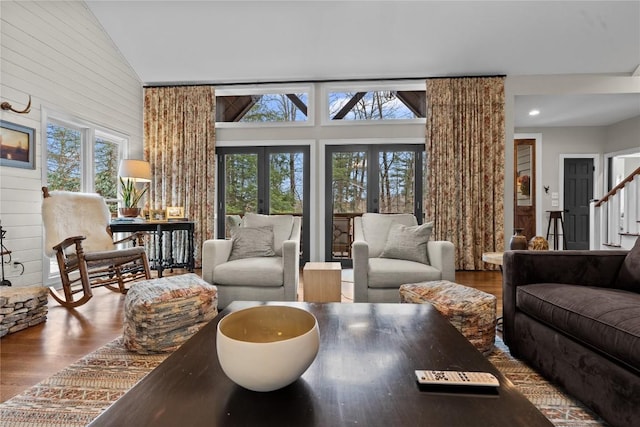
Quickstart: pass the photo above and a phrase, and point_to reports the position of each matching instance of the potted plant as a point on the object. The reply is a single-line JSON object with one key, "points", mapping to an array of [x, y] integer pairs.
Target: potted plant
{"points": [[130, 196]]}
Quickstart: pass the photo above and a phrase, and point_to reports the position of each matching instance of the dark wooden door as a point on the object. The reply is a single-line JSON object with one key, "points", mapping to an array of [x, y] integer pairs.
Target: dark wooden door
{"points": [[578, 192], [524, 191]]}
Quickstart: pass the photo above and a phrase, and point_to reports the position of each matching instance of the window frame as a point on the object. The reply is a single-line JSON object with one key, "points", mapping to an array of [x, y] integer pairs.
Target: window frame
{"points": [[372, 86], [269, 89], [88, 133]]}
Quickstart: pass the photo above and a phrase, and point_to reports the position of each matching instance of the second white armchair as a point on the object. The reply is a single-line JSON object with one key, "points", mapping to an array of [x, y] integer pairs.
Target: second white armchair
{"points": [[390, 250]]}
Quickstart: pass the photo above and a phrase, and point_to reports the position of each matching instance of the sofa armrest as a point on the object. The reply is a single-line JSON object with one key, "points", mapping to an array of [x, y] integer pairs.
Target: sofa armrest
{"points": [[585, 268], [442, 256], [360, 256], [214, 253]]}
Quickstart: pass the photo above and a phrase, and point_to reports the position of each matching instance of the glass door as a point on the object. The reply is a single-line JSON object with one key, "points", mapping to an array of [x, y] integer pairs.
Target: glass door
{"points": [[369, 178], [263, 180]]}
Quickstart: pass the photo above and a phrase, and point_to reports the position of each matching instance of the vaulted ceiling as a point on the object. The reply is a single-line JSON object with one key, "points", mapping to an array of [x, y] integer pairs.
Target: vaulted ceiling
{"points": [[220, 42]]}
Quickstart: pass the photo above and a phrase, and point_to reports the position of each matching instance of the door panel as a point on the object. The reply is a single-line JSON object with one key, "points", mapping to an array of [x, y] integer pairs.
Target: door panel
{"points": [[349, 185], [369, 178], [264, 180], [578, 192]]}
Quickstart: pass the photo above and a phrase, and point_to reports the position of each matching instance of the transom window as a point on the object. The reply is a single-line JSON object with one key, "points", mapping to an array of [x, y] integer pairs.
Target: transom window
{"points": [[377, 105], [263, 105]]}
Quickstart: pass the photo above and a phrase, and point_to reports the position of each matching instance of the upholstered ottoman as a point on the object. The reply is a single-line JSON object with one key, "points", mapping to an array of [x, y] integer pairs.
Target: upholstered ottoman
{"points": [[161, 314], [471, 311]]}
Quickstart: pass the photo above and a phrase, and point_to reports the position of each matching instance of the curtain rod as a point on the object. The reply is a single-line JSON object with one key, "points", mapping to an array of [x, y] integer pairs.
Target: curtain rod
{"points": [[288, 82]]}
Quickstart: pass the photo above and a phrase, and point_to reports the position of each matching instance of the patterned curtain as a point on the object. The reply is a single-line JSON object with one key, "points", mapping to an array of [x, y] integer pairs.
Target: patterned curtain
{"points": [[179, 142], [465, 171]]}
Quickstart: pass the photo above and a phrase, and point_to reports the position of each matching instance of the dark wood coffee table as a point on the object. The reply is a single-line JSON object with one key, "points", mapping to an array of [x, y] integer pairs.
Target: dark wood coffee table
{"points": [[363, 375]]}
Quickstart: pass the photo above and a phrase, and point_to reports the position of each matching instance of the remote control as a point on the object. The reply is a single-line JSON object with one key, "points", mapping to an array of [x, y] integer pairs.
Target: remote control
{"points": [[456, 378]]}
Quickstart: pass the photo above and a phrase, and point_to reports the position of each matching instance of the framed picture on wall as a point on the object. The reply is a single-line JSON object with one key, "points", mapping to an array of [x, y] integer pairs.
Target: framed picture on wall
{"points": [[17, 146]]}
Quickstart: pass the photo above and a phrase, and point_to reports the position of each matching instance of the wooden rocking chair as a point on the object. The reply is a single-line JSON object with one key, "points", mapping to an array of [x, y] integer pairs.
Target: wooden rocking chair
{"points": [[77, 233]]}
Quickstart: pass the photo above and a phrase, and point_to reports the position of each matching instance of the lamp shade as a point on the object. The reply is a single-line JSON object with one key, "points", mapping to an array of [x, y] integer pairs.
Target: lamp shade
{"points": [[136, 170]]}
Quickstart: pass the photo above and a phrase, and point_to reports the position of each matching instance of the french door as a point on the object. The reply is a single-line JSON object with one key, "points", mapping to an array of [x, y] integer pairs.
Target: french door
{"points": [[369, 178], [263, 180]]}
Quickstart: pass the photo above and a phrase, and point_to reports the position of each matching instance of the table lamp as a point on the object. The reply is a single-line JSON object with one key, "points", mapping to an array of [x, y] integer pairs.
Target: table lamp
{"points": [[133, 171]]}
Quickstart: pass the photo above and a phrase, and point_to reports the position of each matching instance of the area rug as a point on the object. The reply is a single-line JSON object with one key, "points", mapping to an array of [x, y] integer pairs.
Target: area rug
{"points": [[80, 392]]}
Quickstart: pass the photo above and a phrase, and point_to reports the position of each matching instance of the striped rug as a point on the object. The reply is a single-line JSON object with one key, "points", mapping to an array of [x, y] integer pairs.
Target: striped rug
{"points": [[80, 392]]}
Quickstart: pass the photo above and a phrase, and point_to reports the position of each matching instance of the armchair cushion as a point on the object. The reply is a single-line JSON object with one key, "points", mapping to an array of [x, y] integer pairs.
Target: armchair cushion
{"points": [[282, 227], [629, 274], [259, 272], [408, 243], [390, 273], [249, 242]]}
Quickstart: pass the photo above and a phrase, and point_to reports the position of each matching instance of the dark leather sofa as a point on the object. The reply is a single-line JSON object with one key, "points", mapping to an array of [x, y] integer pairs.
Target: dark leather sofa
{"points": [[574, 316]]}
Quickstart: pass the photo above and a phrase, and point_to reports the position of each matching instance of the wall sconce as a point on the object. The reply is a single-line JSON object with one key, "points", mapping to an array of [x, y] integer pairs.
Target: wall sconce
{"points": [[7, 106]]}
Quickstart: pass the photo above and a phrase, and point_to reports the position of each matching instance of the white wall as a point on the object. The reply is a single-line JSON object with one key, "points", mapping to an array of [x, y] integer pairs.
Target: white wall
{"points": [[623, 135], [57, 53]]}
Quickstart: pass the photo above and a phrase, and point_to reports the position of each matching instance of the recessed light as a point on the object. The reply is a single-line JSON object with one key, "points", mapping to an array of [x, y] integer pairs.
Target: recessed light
{"points": [[534, 112]]}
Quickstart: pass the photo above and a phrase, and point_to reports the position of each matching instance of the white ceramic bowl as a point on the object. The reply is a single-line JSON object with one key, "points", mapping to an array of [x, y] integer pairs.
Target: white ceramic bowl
{"points": [[267, 347]]}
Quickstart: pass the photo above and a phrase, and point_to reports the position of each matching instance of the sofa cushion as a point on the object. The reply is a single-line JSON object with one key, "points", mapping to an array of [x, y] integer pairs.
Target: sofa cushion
{"points": [[282, 227], [408, 243], [249, 242], [629, 274], [263, 271], [375, 228], [391, 273], [605, 319]]}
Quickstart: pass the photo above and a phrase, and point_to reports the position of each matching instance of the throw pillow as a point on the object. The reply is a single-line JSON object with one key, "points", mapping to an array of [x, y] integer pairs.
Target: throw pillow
{"points": [[251, 242], [282, 227], [408, 242], [629, 274], [375, 229]]}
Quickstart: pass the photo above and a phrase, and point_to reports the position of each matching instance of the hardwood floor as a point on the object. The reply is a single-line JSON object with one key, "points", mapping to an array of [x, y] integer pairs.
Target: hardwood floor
{"points": [[31, 355]]}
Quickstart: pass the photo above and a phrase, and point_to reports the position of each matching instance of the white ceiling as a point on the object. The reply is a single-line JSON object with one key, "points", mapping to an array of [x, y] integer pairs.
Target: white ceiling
{"points": [[277, 41]]}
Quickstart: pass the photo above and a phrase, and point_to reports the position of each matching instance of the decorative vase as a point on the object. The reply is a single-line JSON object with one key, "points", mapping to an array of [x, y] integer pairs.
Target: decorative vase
{"points": [[518, 241], [129, 212]]}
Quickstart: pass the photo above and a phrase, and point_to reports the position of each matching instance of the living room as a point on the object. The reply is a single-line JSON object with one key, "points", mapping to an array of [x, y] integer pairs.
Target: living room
{"points": [[63, 56]]}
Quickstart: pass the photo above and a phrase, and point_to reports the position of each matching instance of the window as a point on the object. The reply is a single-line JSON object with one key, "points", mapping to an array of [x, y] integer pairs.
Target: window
{"points": [[376, 103], [80, 157], [64, 144], [248, 106]]}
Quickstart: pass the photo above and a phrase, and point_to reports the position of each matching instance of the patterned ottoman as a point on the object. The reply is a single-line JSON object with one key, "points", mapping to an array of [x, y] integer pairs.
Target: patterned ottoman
{"points": [[471, 311], [161, 314]]}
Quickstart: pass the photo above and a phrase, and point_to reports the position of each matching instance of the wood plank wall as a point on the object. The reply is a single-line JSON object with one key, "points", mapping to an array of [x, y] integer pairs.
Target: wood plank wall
{"points": [[58, 53]]}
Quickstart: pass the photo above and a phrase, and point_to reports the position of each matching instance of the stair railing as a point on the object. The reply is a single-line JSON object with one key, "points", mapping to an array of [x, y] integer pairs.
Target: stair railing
{"points": [[616, 214]]}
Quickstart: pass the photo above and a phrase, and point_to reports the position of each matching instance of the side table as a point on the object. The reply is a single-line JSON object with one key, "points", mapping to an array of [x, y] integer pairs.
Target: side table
{"points": [[322, 282], [157, 229]]}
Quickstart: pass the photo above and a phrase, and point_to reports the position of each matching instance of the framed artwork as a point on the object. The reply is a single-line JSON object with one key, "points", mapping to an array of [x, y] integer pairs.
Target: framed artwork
{"points": [[17, 146], [175, 212]]}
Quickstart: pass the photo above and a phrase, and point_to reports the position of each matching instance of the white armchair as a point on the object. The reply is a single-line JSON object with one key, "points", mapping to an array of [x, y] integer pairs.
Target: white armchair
{"points": [[270, 276], [378, 278]]}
